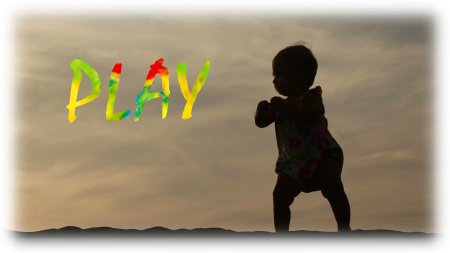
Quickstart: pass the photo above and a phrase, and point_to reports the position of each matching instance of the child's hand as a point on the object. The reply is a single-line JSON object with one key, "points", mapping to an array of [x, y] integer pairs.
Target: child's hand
{"points": [[277, 103], [264, 114], [263, 106]]}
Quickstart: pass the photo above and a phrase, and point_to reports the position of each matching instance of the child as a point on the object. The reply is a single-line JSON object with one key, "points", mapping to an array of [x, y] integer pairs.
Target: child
{"points": [[309, 158]]}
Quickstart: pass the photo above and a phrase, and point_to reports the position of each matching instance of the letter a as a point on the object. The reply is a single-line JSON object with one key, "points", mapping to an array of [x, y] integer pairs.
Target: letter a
{"points": [[145, 95]]}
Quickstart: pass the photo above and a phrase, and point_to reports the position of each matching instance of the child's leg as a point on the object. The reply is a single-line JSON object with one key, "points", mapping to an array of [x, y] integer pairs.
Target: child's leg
{"points": [[283, 196], [329, 177], [340, 205]]}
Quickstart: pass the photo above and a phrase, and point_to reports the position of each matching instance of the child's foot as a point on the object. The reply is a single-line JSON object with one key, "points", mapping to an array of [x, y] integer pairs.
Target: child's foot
{"points": [[344, 229]]}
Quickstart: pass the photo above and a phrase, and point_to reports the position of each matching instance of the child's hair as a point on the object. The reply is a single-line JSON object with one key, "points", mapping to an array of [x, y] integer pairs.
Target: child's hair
{"points": [[303, 56]]}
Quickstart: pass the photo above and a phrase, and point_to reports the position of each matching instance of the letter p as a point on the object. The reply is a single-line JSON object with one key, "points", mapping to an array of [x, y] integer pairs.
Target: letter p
{"points": [[78, 65]]}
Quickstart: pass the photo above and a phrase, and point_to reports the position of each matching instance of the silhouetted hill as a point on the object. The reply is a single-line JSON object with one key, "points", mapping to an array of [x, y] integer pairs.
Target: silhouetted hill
{"points": [[72, 231]]}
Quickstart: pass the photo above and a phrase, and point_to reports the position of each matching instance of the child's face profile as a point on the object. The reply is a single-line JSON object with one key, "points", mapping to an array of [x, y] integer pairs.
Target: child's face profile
{"points": [[288, 79]]}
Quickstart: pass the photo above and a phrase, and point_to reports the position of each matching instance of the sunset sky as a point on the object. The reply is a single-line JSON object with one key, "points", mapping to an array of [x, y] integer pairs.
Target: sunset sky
{"points": [[217, 168]]}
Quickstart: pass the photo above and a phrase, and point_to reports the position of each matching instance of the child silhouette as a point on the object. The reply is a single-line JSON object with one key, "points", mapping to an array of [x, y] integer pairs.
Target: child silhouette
{"points": [[309, 158]]}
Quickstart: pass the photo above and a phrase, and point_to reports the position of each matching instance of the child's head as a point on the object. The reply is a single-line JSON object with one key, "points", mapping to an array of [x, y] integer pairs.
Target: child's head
{"points": [[294, 69]]}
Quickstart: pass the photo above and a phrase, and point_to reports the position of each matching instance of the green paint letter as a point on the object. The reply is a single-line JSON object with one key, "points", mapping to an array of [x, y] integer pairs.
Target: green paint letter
{"points": [[113, 86], [145, 95], [78, 65]]}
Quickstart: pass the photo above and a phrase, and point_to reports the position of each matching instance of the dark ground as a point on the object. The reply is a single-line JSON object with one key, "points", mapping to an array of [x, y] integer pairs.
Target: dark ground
{"points": [[107, 232]]}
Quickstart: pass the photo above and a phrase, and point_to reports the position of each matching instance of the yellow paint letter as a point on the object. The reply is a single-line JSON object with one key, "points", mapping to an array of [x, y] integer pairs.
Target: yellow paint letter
{"points": [[190, 96]]}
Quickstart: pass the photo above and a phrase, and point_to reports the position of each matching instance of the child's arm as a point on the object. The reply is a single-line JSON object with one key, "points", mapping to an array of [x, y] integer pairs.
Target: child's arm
{"points": [[264, 114], [308, 112]]}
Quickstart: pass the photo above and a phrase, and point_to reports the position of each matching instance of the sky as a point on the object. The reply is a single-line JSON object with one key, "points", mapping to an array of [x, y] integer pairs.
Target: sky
{"points": [[217, 168]]}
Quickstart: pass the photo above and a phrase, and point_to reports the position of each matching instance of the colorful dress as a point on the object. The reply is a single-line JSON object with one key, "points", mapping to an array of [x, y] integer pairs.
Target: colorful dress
{"points": [[301, 147]]}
